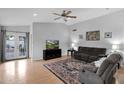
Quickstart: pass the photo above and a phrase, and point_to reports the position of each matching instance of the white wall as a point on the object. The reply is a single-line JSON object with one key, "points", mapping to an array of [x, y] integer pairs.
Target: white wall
{"points": [[110, 23], [0, 44], [49, 31], [18, 28]]}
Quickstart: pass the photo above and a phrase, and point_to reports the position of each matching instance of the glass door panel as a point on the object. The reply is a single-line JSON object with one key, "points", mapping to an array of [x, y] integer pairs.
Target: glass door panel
{"points": [[22, 52], [10, 46]]}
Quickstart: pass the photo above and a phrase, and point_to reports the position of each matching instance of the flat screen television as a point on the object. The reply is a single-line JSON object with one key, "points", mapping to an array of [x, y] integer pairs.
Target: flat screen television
{"points": [[52, 44]]}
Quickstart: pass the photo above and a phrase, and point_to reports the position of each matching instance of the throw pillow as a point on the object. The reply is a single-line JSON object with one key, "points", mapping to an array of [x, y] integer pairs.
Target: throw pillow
{"points": [[99, 62]]}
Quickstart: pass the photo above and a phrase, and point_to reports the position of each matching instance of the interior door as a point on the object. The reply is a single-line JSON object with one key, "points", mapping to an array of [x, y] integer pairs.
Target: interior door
{"points": [[15, 45]]}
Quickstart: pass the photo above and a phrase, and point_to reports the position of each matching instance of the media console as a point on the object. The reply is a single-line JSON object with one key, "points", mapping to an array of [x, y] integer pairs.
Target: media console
{"points": [[51, 53]]}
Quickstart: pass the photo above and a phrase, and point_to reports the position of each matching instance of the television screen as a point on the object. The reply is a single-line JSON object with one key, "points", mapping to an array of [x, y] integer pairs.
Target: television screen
{"points": [[52, 44]]}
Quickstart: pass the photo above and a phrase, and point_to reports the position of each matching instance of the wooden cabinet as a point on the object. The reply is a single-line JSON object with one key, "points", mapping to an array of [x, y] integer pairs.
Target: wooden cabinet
{"points": [[51, 53]]}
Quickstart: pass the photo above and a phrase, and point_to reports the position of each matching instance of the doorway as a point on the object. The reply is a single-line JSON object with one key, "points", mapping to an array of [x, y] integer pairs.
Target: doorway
{"points": [[16, 45]]}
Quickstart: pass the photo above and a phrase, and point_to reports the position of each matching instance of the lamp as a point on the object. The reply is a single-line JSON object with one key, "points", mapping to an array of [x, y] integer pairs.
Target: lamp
{"points": [[74, 45], [115, 47]]}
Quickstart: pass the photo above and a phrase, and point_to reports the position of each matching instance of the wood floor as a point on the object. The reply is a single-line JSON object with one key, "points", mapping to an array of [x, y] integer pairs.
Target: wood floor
{"points": [[120, 76], [27, 71]]}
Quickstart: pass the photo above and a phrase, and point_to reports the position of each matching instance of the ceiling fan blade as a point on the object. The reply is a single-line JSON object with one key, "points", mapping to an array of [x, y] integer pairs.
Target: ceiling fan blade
{"points": [[71, 16], [56, 14], [67, 13], [57, 18]]}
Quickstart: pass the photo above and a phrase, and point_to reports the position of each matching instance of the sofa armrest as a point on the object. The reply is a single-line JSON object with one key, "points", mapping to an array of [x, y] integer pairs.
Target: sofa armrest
{"points": [[102, 55], [75, 51], [88, 77]]}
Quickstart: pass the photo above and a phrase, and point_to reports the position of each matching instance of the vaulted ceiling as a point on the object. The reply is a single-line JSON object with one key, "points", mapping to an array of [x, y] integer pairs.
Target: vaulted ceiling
{"points": [[25, 16]]}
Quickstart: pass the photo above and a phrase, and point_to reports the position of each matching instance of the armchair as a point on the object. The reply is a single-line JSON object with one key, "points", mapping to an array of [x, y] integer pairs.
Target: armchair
{"points": [[104, 74]]}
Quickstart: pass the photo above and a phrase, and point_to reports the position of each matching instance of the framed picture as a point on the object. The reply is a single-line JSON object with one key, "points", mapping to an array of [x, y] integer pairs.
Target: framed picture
{"points": [[80, 36], [108, 35], [93, 35]]}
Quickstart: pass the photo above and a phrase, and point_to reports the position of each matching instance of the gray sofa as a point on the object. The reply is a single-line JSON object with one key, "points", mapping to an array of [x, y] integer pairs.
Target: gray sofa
{"points": [[89, 54], [104, 74]]}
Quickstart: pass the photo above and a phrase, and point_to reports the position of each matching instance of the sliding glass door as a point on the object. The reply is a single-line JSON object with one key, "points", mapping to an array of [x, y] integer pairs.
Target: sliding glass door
{"points": [[16, 45]]}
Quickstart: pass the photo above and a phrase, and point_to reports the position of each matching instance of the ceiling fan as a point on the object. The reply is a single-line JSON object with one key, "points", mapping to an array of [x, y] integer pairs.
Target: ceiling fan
{"points": [[65, 15]]}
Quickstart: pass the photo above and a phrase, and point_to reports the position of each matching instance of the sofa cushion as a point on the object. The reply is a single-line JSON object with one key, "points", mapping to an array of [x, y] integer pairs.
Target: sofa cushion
{"points": [[84, 56], [99, 62], [92, 50], [81, 56], [90, 68], [92, 58], [81, 49], [88, 54]]}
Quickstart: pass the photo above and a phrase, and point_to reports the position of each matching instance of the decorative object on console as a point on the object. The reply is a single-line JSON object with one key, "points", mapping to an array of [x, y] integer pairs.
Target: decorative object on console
{"points": [[93, 35], [108, 35]]}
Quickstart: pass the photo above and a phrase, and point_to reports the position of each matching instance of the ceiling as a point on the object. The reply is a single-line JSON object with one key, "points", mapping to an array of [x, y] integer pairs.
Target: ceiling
{"points": [[24, 16]]}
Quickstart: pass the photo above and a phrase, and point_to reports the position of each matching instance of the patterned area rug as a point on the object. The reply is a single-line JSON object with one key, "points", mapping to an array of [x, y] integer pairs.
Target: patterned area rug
{"points": [[68, 70]]}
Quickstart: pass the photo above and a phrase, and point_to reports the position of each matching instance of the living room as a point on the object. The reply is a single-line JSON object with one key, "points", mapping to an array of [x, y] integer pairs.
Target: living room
{"points": [[40, 26], [92, 22]]}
